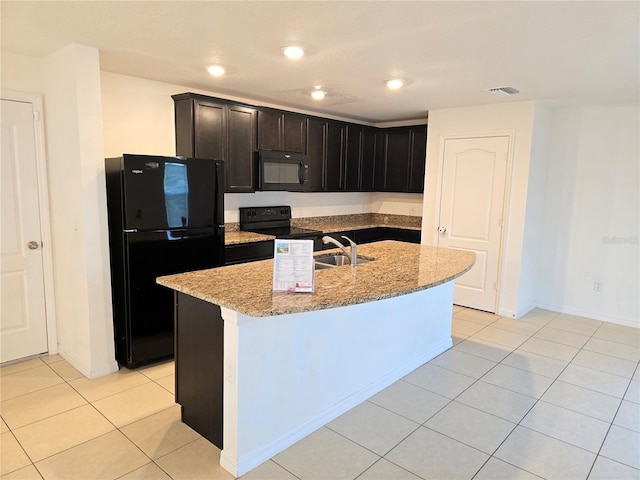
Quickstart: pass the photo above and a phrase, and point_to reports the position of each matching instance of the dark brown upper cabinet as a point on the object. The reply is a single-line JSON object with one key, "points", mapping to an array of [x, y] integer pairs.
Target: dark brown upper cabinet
{"points": [[369, 145], [317, 153], [241, 148], [343, 156], [335, 153], [360, 158], [400, 159], [279, 130], [417, 159], [204, 132], [208, 128]]}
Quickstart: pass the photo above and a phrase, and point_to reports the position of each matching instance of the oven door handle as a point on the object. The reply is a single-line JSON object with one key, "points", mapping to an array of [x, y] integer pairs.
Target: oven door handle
{"points": [[300, 173]]}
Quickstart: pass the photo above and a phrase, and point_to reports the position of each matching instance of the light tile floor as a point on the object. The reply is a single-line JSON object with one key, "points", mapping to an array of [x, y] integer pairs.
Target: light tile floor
{"points": [[547, 396]]}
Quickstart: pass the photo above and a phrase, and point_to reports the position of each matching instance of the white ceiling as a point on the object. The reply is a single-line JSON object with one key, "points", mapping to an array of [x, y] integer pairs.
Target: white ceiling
{"points": [[449, 52]]}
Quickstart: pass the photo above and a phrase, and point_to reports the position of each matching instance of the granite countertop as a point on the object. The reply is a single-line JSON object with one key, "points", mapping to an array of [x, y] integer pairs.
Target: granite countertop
{"points": [[398, 268], [329, 224]]}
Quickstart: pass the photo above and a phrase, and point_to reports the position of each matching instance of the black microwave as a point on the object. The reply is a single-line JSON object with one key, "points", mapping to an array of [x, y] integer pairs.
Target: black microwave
{"points": [[282, 171]]}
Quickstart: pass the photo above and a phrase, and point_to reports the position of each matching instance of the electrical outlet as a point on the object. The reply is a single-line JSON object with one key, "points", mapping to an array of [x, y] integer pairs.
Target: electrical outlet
{"points": [[597, 286]]}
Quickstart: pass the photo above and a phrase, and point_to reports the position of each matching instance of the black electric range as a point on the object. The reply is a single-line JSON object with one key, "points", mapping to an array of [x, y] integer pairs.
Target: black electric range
{"points": [[276, 221]]}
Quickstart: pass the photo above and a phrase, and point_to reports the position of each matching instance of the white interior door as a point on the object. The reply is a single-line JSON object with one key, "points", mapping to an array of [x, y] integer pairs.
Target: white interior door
{"points": [[471, 209], [23, 323]]}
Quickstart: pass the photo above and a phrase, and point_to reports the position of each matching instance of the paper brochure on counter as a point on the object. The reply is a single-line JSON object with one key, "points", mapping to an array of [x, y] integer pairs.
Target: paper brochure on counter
{"points": [[293, 266]]}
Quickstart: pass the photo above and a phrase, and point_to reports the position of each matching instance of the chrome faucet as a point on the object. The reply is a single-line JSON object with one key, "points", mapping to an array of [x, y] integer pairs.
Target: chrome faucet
{"points": [[352, 255]]}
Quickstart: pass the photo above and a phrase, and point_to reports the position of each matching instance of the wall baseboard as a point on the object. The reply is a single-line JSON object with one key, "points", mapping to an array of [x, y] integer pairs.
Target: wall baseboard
{"points": [[604, 317], [89, 371]]}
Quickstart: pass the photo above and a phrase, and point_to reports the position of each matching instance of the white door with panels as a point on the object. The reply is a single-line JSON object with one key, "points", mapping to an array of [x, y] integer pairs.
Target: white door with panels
{"points": [[471, 213], [23, 322]]}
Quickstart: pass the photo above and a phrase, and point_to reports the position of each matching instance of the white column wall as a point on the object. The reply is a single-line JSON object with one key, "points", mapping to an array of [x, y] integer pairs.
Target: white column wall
{"points": [[531, 276], [78, 209]]}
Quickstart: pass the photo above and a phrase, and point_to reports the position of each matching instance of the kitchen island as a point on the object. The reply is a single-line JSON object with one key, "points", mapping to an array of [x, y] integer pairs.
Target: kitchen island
{"points": [[257, 371]]}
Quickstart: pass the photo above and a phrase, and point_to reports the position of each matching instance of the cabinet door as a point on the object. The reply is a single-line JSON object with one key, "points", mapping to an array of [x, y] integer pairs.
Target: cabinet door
{"points": [[294, 131], [281, 131], [418, 159], [269, 130], [402, 235], [397, 160], [209, 131], [368, 235], [240, 161], [380, 161], [316, 151], [199, 365], [248, 252], [353, 158], [367, 164], [184, 119], [334, 179]]}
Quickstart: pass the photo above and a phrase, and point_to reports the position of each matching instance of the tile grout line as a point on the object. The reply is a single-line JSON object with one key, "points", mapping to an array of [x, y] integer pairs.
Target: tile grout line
{"points": [[88, 403], [609, 429], [476, 380], [539, 399]]}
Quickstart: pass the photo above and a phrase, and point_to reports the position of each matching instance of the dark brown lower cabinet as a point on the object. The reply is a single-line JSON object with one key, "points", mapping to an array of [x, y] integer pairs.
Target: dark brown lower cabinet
{"points": [[376, 234], [199, 365]]}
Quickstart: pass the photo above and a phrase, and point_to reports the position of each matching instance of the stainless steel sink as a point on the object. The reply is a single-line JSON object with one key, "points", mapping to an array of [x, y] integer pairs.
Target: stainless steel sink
{"points": [[336, 260]]}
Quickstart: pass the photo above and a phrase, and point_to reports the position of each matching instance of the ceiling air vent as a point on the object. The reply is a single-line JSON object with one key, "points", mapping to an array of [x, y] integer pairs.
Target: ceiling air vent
{"points": [[504, 91]]}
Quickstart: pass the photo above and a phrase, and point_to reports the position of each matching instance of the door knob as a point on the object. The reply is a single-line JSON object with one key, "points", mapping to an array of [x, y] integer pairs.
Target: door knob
{"points": [[442, 230], [33, 245]]}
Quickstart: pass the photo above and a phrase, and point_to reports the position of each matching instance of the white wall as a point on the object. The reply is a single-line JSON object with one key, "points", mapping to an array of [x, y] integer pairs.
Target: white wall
{"points": [[573, 206], [138, 117], [21, 73], [78, 209], [517, 119], [69, 82], [592, 213], [531, 277]]}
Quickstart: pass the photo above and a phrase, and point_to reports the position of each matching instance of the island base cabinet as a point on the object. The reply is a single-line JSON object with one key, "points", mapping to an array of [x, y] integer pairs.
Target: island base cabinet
{"points": [[199, 355]]}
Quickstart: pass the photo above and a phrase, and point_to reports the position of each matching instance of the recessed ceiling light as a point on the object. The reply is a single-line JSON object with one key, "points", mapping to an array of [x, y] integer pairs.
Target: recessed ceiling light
{"points": [[293, 51], [318, 94], [216, 70], [394, 84]]}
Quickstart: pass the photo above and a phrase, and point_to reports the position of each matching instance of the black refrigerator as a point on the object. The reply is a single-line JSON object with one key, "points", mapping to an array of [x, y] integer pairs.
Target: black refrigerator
{"points": [[166, 215]]}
